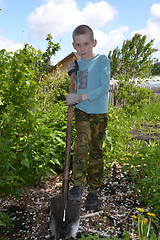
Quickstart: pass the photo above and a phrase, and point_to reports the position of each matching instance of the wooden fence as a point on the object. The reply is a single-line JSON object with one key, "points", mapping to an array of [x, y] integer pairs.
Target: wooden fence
{"points": [[114, 87], [112, 91]]}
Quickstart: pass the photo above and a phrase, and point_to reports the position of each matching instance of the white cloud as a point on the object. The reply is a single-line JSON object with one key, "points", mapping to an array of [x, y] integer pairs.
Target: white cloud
{"points": [[98, 14], [106, 42], [9, 45], [61, 16], [153, 24], [155, 12], [152, 29], [53, 17]]}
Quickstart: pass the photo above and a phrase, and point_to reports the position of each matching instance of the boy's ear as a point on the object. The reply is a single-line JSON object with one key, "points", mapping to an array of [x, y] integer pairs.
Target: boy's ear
{"points": [[94, 42], [73, 45]]}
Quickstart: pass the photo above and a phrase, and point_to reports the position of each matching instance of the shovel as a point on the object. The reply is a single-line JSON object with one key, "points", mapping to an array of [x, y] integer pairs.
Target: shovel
{"points": [[65, 216]]}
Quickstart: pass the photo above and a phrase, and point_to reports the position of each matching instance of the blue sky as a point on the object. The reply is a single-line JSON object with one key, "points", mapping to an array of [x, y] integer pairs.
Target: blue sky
{"points": [[113, 21]]}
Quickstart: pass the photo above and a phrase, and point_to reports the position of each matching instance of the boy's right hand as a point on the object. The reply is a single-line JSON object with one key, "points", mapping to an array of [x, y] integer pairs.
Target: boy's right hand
{"points": [[72, 67], [73, 98]]}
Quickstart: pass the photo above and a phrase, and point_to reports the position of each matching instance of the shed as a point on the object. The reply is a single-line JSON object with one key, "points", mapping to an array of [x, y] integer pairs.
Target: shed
{"points": [[65, 61]]}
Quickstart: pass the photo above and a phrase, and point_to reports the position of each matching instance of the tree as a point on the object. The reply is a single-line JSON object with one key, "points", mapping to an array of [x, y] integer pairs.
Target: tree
{"points": [[156, 68], [130, 64], [134, 60]]}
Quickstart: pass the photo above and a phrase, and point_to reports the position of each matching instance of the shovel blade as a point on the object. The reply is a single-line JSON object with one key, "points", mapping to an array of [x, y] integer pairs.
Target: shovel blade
{"points": [[64, 220]]}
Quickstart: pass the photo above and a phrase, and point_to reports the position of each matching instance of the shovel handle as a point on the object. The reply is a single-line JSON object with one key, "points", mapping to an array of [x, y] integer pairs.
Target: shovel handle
{"points": [[68, 139]]}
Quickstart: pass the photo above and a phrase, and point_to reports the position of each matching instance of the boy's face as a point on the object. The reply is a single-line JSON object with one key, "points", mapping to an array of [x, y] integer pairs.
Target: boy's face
{"points": [[84, 46]]}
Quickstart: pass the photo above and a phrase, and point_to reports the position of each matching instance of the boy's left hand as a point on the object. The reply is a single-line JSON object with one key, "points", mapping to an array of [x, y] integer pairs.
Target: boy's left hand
{"points": [[72, 67], [73, 98]]}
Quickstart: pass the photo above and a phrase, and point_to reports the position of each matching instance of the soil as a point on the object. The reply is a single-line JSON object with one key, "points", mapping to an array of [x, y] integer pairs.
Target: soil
{"points": [[30, 213], [147, 133]]}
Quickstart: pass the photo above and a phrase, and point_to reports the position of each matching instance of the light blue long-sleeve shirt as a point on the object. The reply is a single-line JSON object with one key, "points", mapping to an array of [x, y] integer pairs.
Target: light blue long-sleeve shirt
{"points": [[93, 78]]}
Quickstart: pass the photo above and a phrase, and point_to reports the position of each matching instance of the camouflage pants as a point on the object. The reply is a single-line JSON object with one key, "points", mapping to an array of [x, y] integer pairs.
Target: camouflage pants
{"points": [[88, 154]]}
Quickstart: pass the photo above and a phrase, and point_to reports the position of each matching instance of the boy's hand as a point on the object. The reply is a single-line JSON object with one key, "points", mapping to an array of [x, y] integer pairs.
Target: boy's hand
{"points": [[72, 67], [73, 98]]}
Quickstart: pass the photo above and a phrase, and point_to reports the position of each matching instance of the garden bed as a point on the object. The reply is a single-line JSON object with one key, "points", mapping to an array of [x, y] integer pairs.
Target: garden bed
{"points": [[117, 203], [31, 211]]}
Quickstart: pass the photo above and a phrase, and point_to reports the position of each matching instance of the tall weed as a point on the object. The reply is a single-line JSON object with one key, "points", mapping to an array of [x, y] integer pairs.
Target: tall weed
{"points": [[149, 115], [140, 159], [144, 168], [117, 136]]}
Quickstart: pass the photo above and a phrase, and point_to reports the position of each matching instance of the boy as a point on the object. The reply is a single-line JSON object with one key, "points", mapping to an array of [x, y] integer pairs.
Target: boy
{"points": [[91, 99]]}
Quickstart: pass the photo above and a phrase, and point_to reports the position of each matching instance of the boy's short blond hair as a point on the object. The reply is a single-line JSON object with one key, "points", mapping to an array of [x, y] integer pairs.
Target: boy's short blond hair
{"points": [[83, 29]]}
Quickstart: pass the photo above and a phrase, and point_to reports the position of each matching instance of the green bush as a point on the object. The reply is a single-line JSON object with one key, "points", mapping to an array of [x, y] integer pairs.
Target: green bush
{"points": [[22, 158], [5, 223], [18, 85], [54, 88], [132, 97]]}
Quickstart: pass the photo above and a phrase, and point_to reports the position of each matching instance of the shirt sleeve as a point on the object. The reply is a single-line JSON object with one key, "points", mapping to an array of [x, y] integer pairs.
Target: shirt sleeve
{"points": [[104, 78]]}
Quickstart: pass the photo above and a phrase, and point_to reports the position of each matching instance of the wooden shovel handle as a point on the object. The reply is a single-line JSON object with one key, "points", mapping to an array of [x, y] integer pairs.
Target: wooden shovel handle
{"points": [[68, 139]]}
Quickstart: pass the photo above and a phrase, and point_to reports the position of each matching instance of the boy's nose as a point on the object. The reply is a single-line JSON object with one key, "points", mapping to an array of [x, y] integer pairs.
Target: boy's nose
{"points": [[82, 48]]}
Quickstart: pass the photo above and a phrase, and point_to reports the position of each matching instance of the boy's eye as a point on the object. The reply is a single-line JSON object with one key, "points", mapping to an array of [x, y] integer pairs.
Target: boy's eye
{"points": [[84, 44]]}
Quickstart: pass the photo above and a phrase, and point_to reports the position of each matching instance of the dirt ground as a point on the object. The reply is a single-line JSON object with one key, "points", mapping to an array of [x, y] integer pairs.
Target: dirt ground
{"points": [[117, 203]]}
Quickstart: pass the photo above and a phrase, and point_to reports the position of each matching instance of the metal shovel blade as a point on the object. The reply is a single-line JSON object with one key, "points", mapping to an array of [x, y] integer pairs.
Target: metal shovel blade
{"points": [[64, 220]]}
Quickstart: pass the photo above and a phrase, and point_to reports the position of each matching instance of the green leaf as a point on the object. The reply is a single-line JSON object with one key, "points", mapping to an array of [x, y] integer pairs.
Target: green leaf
{"points": [[125, 235], [2, 183], [18, 191], [25, 162], [55, 161]]}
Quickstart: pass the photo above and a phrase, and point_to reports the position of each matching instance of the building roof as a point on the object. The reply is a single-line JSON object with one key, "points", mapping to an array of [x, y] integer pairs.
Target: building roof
{"points": [[67, 59], [73, 54]]}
